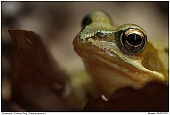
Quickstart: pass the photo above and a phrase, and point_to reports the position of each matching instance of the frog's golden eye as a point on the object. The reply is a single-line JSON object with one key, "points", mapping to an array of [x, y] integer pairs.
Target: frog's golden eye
{"points": [[133, 40], [86, 21]]}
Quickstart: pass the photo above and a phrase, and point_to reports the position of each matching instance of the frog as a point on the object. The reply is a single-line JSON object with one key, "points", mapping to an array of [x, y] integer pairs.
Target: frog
{"points": [[117, 56]]}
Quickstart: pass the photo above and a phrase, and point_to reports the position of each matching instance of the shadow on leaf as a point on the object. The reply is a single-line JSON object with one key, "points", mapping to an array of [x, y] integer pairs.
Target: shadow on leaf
{"points": [[152, 97]]}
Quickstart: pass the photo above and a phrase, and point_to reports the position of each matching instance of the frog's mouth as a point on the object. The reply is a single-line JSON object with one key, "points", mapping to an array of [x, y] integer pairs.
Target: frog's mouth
{"points": [[133, 69]]}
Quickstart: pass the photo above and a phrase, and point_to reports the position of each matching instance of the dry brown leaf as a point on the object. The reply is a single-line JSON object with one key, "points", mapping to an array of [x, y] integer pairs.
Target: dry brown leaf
{"points": [[37, 84], [152, 97]]}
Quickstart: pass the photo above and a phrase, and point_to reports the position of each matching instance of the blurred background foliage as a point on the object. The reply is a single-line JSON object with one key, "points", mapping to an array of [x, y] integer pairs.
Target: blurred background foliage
{"points": [[59, 22]]}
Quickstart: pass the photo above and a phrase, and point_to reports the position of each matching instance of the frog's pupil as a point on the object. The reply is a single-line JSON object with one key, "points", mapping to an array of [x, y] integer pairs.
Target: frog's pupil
{"points": [[134, 39], [86, 21]]}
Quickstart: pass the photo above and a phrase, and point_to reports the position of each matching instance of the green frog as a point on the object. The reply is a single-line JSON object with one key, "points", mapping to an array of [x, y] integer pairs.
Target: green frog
{"points": [[117, 57]]}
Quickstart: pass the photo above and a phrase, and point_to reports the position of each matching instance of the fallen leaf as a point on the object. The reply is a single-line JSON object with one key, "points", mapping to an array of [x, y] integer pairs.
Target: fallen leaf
{"points": [[152, 97], [38, 85]]}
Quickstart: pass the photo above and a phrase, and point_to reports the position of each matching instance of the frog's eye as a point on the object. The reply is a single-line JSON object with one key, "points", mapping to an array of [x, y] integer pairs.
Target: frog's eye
{"points": [[86, 21], [133, 40]]}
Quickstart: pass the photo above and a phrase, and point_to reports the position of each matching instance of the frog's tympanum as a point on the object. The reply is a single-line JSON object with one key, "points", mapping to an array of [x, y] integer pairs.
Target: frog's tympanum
{"points": [[117, 57]]}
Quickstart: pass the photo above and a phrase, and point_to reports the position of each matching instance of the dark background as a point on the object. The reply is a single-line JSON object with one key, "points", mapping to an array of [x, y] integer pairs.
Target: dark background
{"points": [[59, 22]]}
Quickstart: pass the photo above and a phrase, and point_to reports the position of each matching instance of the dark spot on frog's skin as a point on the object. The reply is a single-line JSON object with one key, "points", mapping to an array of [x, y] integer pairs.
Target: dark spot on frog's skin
{"points": [[86, 21], [166, 50]]}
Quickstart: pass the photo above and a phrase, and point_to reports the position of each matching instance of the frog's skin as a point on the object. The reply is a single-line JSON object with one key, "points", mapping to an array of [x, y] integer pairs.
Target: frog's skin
{"points": [[108, 62]]}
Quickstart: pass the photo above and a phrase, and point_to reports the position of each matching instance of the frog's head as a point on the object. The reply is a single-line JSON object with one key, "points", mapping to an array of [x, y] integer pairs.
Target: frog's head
{"points": [[117, 57]]}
